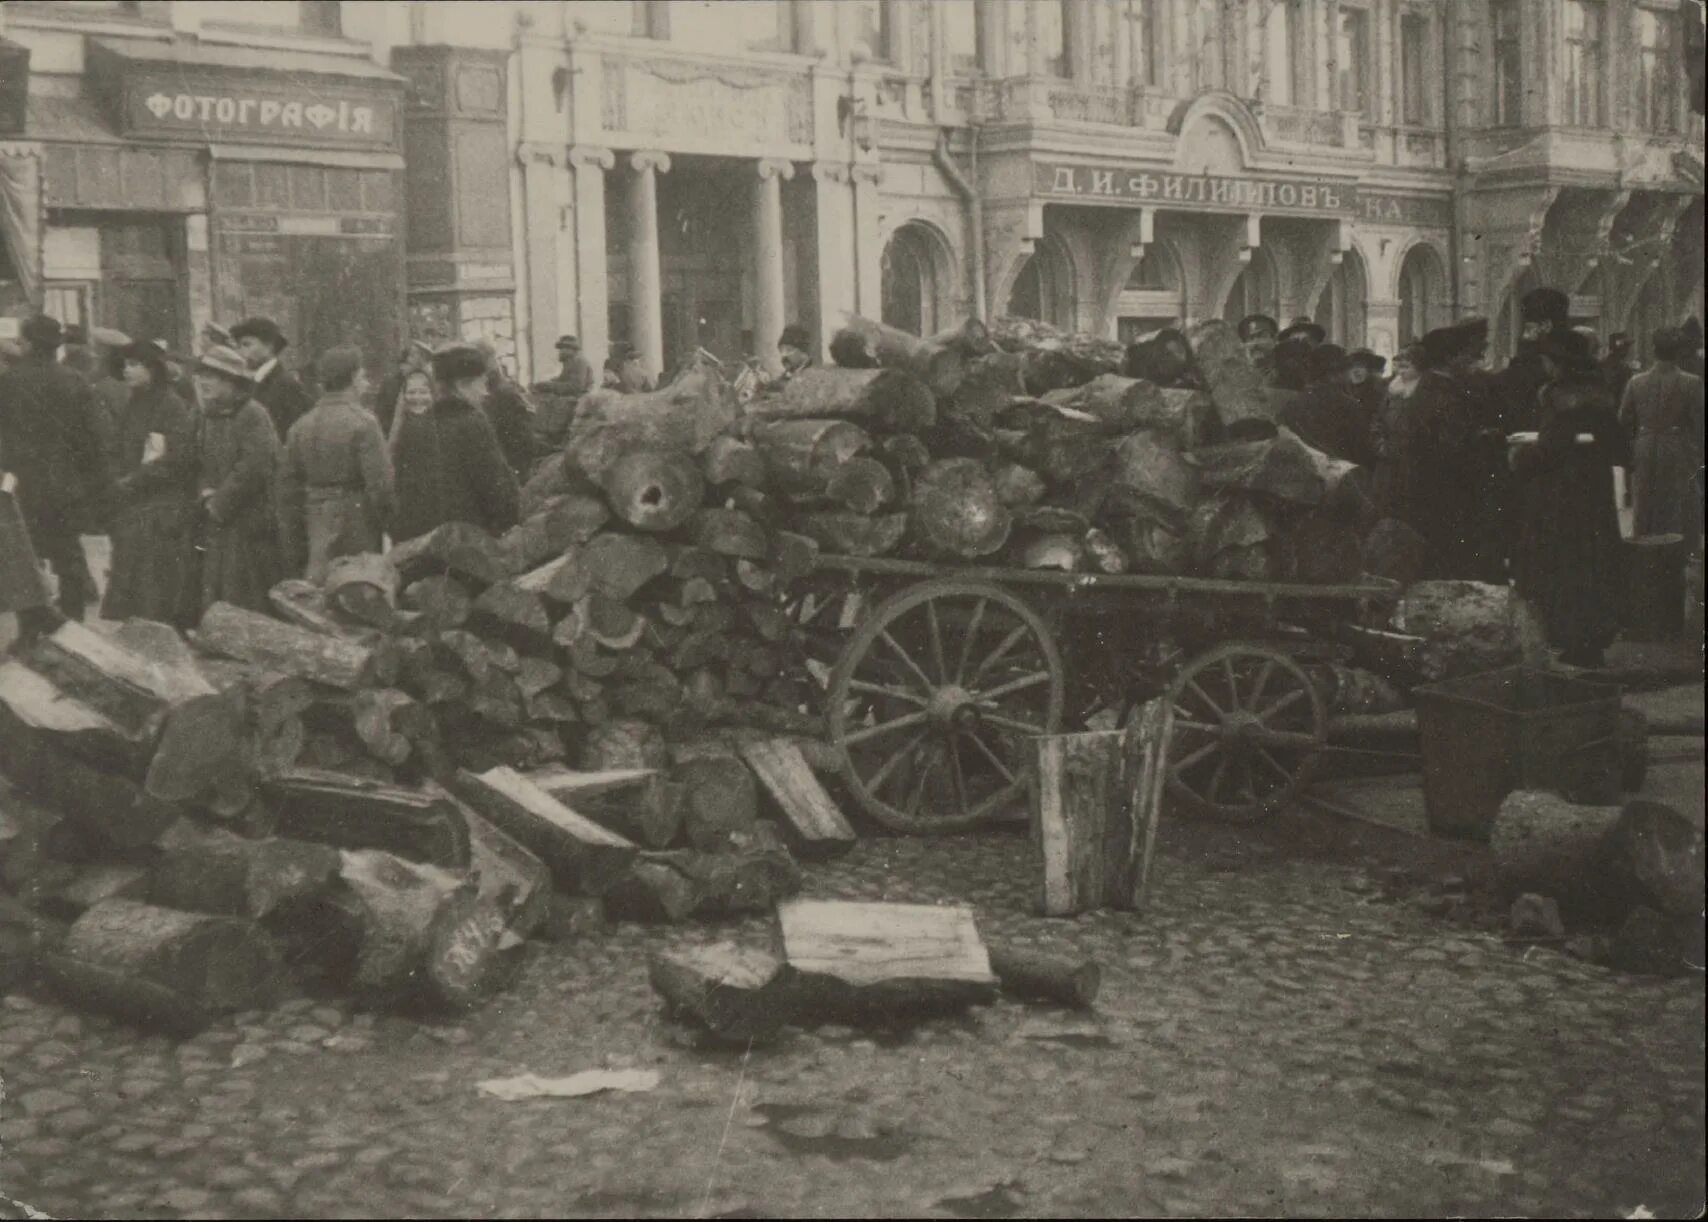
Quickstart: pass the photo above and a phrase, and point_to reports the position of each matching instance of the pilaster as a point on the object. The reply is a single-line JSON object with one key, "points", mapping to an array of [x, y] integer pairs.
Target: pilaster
{"points": [[837, 246], [592, 297], [868, 241], [768, 256], [645, 277]]}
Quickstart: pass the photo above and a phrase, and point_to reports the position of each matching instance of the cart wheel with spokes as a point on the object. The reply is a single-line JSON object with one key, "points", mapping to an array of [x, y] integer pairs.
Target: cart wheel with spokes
{"points": [[1248, 730], [933, 701]]}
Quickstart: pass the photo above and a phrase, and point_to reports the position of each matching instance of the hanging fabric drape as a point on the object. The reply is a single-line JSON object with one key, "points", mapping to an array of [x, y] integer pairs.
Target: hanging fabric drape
{"points": [[21, 212]]}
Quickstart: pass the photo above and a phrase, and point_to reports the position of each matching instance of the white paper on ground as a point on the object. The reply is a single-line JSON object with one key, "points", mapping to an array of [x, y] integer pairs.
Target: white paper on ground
{"points": [[587, 1082]]}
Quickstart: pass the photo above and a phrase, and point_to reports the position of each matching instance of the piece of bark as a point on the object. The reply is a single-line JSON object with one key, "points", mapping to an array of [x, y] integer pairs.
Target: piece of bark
{"points": [[168, 964], [884, 400], [1243, 407], [1095, 799], [561, 523], [739, 994], [363, 587], [817, 828], [265, 642], [460, 549], [750, 872], [516, 616], [347, 812], [801, 456], [1039, 974], [582, 856], [857, 960], [654, 490]]}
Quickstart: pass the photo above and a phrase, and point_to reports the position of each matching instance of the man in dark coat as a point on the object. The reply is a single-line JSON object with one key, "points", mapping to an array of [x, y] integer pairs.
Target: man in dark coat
{"points": [[1616, 366], [1303, 329], [1541, 312], [1324, 414], [511, 414], [1365, 381], [1690, 358], [449, 467], [1567, 562], [276, 388], [1434, 488], [50, 440]]}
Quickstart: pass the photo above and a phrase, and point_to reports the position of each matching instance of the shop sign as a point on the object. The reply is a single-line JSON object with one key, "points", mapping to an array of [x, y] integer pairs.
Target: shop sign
{"points": [[1099, 184], [311, 115]]}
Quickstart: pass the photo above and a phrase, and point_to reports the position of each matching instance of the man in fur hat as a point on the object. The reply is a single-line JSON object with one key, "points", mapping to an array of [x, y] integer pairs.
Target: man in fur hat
{"points": [[260, 342], [50, 440], [448, 464]]}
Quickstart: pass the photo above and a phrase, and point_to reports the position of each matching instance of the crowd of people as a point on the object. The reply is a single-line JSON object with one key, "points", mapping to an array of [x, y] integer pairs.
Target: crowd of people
{"points": [[218, 475]]}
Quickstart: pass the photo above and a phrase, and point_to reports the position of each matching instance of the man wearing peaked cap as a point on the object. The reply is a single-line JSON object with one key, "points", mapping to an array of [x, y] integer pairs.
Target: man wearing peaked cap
{"points": [[1257, 326], [261, 343], [335, 483], [50, 441], [447, 462]]}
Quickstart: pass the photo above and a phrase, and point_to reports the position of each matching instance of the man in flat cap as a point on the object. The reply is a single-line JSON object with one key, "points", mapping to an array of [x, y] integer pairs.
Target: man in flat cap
{"points": [[237, 453], [448, 465], [335, 486], [261, 343], [50, 441], [558, 395]]}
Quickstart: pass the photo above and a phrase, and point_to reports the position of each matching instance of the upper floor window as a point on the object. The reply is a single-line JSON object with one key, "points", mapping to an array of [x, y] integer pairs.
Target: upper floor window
{"points": [[733, 26], [961, 29], [1586, 24], [1052, 33], [1150, 62], [874, 28], [1352, 52], [1657, 51], [1283, 73], [1507, 17], [1414, 80]]}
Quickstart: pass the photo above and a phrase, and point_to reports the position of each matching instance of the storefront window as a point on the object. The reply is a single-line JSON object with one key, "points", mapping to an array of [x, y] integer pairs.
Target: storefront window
{"points": [[1657, 95], [1585, 22], [1508, 63], [1414, 84], [961, 21], [1353, 53]]}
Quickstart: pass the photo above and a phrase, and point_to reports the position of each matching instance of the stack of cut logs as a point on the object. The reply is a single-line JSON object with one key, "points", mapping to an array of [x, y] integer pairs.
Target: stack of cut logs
{"points": [[1011, 444]]}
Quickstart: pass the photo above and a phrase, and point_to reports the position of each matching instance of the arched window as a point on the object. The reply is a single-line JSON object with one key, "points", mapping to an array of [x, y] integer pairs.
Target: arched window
{"points": [[1253, 290], [1423, 293], [1044, 287], [912, 289], [1341, 307]]}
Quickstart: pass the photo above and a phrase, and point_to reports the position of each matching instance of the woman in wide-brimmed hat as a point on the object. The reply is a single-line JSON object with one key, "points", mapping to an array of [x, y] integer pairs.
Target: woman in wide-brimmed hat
{"points": [[154, 453], [1567, 557]]}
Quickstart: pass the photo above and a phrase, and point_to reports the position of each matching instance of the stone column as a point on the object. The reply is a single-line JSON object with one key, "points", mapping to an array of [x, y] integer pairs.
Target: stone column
{"points": [[592, 293], [542, 165], [768, 320], [837, 278], [868, 241], [645, 283]]}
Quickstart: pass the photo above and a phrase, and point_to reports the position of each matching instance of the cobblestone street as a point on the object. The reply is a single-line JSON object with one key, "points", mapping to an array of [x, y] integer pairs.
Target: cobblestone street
{"points": [[1286, 1033]]}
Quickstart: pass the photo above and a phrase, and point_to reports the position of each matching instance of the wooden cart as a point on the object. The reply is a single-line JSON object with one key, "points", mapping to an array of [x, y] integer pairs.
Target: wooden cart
{"points": [[935, 682]]}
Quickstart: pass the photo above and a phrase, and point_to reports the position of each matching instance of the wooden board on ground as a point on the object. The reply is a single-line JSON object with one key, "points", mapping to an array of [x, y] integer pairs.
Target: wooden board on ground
{"points": [[738, 994], [817, 827], [1095, 800], [853, 959]]}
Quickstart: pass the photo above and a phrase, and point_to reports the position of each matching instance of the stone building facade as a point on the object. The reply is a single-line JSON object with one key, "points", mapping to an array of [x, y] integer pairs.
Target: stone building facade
{"points": [[678, 174]]}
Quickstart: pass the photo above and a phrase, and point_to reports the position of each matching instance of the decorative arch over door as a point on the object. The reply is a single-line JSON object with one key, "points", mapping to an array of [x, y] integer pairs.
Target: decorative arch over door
{"points": [[1154, 295], [1422, 292], [1255, 290], [917, 276], [1043, 287], [1341, 305]]}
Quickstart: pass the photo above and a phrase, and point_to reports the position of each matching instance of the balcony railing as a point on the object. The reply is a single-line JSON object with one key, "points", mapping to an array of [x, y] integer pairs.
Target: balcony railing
{"points": [[1292, 125]]}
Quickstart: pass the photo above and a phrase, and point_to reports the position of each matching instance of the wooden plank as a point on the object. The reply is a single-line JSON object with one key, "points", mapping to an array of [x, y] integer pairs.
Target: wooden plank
{"points": [[819, 828], [853, 959], [583, 857], [1149, 736]]}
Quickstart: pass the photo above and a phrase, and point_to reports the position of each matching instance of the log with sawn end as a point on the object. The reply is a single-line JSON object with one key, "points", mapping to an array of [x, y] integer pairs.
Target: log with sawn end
{"points": [[583, 857], [739, 994], [353, 813]]}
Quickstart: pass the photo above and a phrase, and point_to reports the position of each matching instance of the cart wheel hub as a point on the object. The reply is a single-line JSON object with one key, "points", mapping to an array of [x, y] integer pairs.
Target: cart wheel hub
{"points": [[1240, 726], [953, 708]]}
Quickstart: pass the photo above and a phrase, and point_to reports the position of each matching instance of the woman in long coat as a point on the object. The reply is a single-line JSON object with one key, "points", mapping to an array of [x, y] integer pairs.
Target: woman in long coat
{"points": [[237, 450], [155, 496], [1662, 408], [1567, 561]]}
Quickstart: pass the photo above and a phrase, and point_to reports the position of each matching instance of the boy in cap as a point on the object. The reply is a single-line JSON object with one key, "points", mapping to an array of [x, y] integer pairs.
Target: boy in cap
{"points": [[261, 343], [450, 469], [335, 490], [50, 441], [236, 455]]}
